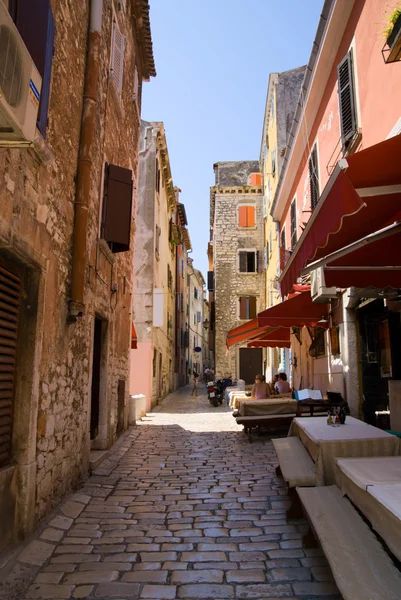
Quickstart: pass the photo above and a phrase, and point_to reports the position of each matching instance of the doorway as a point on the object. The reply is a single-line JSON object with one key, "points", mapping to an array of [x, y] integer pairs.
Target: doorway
{"points": [[250, 363], [98, 339]]}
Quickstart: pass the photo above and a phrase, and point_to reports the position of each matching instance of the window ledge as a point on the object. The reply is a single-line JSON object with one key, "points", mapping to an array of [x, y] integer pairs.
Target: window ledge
{"points": [[104, 248]]}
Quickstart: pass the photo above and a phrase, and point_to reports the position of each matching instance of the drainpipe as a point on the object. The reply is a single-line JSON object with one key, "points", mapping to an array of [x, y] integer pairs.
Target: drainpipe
{"points": [[79, 250]]}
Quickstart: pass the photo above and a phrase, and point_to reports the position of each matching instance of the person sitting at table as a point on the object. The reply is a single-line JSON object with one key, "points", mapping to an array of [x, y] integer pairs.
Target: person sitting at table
{"points": [[273, 383], [282, 386], [260, 389]]}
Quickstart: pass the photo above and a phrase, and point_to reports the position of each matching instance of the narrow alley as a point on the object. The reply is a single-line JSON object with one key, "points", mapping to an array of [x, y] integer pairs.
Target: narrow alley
{"points": [[183, 507]]}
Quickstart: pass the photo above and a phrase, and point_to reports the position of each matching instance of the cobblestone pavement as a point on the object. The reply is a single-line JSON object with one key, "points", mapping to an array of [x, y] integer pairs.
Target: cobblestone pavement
{"points": [[184, 507]]}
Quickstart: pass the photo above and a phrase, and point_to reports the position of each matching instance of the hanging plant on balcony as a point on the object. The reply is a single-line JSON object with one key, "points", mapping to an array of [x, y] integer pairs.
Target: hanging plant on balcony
{"points": [[175, 238], [392, 35]]}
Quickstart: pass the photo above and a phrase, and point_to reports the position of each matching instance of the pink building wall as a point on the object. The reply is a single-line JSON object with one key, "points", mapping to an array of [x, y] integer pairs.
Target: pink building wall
{"points": [[378, 93]]}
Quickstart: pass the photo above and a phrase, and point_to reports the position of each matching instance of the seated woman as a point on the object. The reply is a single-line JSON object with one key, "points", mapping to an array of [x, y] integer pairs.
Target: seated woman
{"points": [[260, 389], [282, 386]]}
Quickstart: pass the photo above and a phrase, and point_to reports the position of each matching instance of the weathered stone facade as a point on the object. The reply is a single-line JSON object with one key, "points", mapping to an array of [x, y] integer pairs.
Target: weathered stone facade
{"points": [[51, 435], [231, 191]]}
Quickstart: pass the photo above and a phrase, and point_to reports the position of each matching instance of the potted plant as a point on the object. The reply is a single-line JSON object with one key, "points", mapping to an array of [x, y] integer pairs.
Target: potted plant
{"points": [[392, 34]]}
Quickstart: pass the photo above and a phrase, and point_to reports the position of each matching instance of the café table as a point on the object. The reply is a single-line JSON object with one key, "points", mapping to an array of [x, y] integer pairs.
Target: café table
{"points": [[374, 486], [353, 439], [270, 406]]}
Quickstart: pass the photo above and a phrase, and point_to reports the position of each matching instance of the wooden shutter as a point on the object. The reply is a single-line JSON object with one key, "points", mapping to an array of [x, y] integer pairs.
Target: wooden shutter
{"points": [[35, 23], [293, 224], [252, 307], [117, 208], [243, 262], [243, 308], [121, 405], [10, 305], [313, 178], [346, 98], [283, 243], [250, 216], [117, 58], [255, 179], [242, 216]]}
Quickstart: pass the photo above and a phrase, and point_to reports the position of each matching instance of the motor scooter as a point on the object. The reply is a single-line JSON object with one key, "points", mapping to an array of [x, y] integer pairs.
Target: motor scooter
{"points": [[213, 393]]}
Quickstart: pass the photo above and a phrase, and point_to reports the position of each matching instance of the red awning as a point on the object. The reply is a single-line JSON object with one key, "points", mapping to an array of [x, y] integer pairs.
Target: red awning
{"points": [[244, 332], [355, 203], [274, 337], [297, 311], [134, 338]]}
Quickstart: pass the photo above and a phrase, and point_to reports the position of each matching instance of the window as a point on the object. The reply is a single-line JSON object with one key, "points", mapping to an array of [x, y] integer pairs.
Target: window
{"points": [[293, 224], [255, 179], [11, 295], [135, 87], [198, 316], [35, 23], [196, 293], [317, 348], [274, 162], [265, 202], [157, 180], [313, 178], [283, 244], [247, 307], [346, 96], [169, 278], [248, 261], [246, 216], [117, 208], [154, 362], [266, 255], [117, 57], [157, 240]]}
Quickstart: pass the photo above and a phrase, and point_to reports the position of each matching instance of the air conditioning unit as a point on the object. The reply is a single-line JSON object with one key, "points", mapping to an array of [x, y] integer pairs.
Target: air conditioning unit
{"points": [[20, 85], [319, 291]]}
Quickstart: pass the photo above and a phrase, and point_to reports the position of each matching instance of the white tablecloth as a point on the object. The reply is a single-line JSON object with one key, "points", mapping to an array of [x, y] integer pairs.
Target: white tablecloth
{"points": [[354, 439], [378, 470], [389, 496]]}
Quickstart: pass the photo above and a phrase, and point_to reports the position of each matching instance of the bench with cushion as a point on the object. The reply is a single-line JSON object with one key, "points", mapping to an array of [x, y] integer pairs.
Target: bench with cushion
{"points": [[361, 567], [297, 469]]}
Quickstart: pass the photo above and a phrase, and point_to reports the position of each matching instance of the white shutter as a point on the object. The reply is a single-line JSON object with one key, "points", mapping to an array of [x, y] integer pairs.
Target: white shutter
{"points": [[117, 58], [265, 257], [264, 207], [135, 90]]}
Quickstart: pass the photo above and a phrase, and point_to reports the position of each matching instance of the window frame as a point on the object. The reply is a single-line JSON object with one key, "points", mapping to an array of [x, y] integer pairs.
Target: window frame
{"points": [[246, 205], [346, 137], [117, 81], [314, 176], [293, 223], [248, 251], [249, 313]]}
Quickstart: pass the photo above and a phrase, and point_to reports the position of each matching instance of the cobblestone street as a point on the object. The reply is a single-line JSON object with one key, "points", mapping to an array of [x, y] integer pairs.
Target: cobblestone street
{"points": [[183, 507]]}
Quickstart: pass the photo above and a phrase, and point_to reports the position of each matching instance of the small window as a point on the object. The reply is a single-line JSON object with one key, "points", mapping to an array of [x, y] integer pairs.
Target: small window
{"points": [[35, 23], [117, 57], [195, 292], [198, 316], [135, 87], [274, 153], [247, 307], [255, 179], [157, 180], [313, 178], [157, 239], [266, 255], [293, 224], [283, 241], [246, 216], [117, 208], [346, 96], [154, 362], [248, 261]]}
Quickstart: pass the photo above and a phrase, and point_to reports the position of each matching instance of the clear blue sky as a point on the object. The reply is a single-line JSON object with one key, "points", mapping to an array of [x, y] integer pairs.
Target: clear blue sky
{"points": [[213, 59]]}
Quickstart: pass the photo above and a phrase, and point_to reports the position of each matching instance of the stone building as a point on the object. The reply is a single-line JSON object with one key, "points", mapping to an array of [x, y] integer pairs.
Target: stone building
{"points": [[236, 204], [67, 212], [282, 98], [155, 270]]}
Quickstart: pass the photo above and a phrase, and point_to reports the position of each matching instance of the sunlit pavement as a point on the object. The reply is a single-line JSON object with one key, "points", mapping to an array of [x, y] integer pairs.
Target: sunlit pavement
{"points": [[183, 507]]}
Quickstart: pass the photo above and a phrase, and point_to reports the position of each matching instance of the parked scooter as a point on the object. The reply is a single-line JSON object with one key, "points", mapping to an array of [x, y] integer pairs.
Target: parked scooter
{"points": [[216, 389]]}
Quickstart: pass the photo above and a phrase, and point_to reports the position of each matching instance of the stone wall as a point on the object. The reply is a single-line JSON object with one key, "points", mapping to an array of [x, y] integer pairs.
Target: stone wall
{"points": [[37, 191], [229, 283]]}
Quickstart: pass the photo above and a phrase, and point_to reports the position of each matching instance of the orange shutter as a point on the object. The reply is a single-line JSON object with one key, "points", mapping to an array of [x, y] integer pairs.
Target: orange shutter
{"points": [[255, 179], [242, 216], [250, 221]]}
